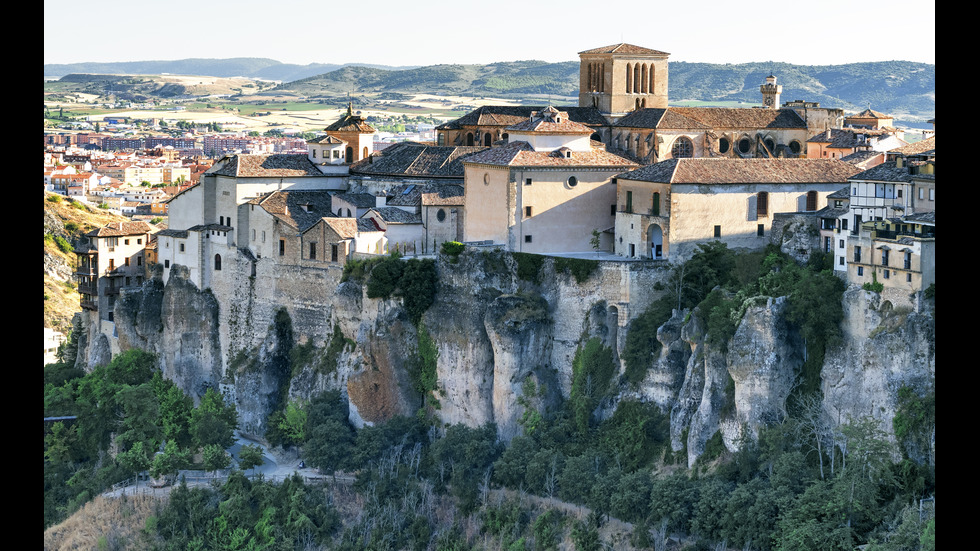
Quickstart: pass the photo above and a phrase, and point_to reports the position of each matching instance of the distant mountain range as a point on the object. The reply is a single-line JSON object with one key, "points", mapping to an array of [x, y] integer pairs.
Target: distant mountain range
{"points": [[904, 90]]}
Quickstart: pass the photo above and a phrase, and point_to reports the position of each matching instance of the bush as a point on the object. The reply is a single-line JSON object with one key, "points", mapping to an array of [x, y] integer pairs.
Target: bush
{"points": [[452, 249], [580, 268]]}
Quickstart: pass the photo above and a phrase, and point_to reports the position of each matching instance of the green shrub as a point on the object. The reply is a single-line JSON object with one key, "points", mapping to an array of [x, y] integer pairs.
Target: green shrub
{"points": [[874, 285], [54, 198], [580, 268], [592, 369], [529, 266], [452, 249]]}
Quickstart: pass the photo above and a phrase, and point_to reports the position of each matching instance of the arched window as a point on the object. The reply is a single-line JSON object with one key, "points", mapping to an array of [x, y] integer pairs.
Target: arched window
{"points": [[656, 204], [811, 200], [723, 145], [487, 139], [762, 203], [652, 81], [217, 262], [629, 78], [469, 138], [795, 147], [682, 149], [350, 155], [643, 82], [636, 78], [365, 152]]}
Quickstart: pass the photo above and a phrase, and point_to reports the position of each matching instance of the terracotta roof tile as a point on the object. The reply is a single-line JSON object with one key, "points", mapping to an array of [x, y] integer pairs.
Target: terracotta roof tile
{"points": [[522, 154], [744, 171], [742, 117], [275, 165], [119, 229], [623, 48], [415, 159]]}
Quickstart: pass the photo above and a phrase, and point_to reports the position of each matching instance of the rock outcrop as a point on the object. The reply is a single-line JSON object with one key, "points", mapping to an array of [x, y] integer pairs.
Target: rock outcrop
{"points": [[504, 347]]}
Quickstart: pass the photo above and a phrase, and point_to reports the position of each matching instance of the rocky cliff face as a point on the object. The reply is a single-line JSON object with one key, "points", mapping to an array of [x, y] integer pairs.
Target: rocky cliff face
{"points": [[505, 347]]}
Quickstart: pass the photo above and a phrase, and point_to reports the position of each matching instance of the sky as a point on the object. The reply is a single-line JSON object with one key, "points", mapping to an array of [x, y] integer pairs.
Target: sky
{"points": [[432, 32]]}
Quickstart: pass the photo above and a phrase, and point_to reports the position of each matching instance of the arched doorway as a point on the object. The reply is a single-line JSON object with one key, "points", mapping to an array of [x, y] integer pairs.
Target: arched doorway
{"points": [[469, 138], [655, 241], [487, 139], [350, 155]]}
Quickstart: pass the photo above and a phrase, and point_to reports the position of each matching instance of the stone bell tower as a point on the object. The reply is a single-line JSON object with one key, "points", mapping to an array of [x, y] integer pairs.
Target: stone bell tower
{"points": [[622, 78], [770, 93]]}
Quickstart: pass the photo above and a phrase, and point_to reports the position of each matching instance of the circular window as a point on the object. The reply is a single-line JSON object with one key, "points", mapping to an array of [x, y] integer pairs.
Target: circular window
{"points": [[794, 146], [441, 215], [744, 145], [682, 149], [572, 181], [723, 145]]}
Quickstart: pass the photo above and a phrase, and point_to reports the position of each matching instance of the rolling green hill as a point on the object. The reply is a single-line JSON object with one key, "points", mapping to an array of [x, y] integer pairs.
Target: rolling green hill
{"points": [[902, 89]]}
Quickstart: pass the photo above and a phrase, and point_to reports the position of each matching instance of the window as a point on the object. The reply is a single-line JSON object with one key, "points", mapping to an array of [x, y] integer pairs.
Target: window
{"points": [[282, 247], [253, 235], [843, 224], [744, 145], [333, 252], [723, 145], [139, 260], [907, 262], [826, 244], [126, 261], [761, 230], [166, 263], [313, 251], [908, 278], [762, 203], [884, 257], [683, 148], [922, 193], [527, 182], [612, 210], [217, 262], [656, 204], [840, 261], [860, 270], [932, 194], [887, 274], [527, 238], [857, 254], [527, 212], [263, 236], [572, 181], [717, 231], [811, 200], [441, 215], [125, 241], [629, 201], [181, 247]]}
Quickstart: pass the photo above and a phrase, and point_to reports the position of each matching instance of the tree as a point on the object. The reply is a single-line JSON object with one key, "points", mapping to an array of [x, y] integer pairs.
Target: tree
{"points": [[250, 456], [292, 423], [135, 460], [215, 458], [213, 422], [170, 460]]}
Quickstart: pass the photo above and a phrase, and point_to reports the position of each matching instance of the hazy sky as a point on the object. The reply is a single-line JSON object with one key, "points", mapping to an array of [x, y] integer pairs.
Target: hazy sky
{"points": [[430, 32]]}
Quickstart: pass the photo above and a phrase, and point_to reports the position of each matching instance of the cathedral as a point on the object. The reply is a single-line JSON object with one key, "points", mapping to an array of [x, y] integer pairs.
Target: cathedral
{"points": [[623, 96]]}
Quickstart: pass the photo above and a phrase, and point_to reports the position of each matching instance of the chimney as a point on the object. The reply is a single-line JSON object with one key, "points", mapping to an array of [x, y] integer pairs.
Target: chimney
{"points": [[380, 200]]}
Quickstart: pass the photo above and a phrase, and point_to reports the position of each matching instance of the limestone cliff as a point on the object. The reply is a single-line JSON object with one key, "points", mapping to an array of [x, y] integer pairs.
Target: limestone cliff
{"points": [[504, 346]]}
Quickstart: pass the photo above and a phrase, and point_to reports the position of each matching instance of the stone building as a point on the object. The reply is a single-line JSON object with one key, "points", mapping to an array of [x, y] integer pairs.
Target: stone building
{"points": [[664, 210], [546, 193], [111, 259], [899, 253]]}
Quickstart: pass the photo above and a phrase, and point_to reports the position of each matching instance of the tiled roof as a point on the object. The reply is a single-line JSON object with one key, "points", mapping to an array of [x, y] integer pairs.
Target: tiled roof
{"points": [[346, 228], [869, 114], [290, 207], [551, 121], [328, 139], [395, 215], [443, 194], [508, 115], [173, 233], [406, 195], [414, 159], [350, 123], [917, 148], [659, 118], [358, 199], [842, 193], [274, 165], [623, 48], [119, 229], [885, 172], [522, 154], [743, 171], [742, 117], [846, 138], [921, 217]]}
